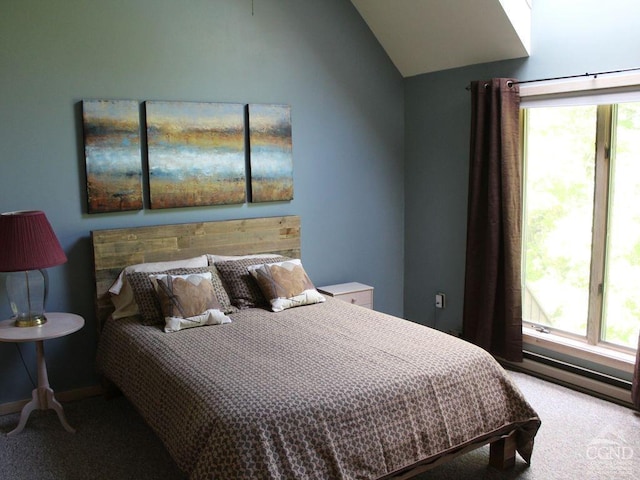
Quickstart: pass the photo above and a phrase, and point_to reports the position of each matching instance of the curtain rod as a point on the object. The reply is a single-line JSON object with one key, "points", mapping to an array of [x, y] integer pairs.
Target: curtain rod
{"points": [[594, 75]]}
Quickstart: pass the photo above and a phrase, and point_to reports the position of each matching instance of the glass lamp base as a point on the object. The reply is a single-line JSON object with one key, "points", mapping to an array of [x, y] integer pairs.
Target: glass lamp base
{"points": [[27, 292], [32, 321]]}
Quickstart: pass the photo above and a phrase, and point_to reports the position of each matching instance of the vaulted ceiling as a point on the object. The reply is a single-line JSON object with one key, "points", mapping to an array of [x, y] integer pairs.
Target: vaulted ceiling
{"points": [[422, 36]]}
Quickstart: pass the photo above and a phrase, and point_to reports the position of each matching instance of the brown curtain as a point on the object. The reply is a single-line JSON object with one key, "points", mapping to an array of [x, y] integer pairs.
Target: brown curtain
{"points": [[492, 315], [635, 390]]}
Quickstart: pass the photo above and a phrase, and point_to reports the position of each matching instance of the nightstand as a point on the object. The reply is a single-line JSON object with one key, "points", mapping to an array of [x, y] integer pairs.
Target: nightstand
{"points": [[58, 325], [352, 292]]}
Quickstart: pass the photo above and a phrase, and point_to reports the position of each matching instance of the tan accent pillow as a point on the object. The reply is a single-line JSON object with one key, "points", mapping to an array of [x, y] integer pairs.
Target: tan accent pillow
{"points": [[185, 295], [187, 301], [285, 284]]}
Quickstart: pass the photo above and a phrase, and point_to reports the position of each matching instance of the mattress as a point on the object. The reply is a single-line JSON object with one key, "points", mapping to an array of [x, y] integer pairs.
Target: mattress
{"points": [[330, 390]]}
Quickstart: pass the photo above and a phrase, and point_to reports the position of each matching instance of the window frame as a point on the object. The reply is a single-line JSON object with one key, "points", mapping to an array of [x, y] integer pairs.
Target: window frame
{"points": [[589, 347]]}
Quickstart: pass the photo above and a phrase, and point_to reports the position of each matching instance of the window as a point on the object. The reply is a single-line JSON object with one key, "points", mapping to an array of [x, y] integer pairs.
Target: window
{"points": [[581, 237]]}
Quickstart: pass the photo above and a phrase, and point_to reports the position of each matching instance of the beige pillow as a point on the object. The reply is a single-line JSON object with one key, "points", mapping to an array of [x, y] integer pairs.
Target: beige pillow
{"points": [[285, 284], [188, 301], [121, 292]]}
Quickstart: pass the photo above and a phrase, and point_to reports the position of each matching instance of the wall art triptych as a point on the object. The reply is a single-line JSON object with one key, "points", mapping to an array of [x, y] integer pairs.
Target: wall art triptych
{"points": [[196, 154]]}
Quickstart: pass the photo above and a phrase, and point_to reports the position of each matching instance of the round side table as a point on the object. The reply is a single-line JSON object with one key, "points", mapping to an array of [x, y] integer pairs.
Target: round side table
{"points": [[58, 325]]}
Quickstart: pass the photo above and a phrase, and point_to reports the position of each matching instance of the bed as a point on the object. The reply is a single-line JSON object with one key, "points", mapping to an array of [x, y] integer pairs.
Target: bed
{"points": [[325, 390]]}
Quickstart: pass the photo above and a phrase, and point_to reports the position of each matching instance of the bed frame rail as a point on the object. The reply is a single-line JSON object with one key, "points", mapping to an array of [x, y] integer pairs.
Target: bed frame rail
{"points": [[502, 455]]}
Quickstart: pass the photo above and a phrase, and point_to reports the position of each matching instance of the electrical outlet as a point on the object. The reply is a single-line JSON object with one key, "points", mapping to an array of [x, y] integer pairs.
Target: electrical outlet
{"points": [[440, 300]]}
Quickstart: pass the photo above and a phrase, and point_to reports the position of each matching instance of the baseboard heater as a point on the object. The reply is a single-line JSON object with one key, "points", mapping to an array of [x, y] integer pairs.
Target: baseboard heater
{"points": [[580, 378]]}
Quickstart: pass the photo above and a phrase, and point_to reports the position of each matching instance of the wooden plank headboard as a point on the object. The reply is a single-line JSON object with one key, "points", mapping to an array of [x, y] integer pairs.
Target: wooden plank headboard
{"points": [[115, 249]]}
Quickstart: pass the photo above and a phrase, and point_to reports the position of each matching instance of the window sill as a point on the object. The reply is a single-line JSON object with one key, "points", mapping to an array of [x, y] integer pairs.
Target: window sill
{"points": [[603, 356]]}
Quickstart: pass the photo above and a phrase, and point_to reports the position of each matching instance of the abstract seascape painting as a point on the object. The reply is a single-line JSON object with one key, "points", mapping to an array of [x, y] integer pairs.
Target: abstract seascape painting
{"points": [[112, 153], [271, 157], [196, 154]]}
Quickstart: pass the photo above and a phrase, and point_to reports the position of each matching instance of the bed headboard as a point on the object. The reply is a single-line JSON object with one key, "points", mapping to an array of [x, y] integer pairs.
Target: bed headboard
{"points": [[117, 248]]}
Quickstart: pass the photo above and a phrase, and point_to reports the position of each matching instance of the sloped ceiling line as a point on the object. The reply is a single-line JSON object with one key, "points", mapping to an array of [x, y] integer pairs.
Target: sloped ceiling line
{"points": [[422, 36]]}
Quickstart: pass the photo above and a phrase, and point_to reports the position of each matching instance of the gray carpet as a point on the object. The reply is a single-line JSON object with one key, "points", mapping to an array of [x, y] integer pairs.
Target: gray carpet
{"points": [[581, 438]]}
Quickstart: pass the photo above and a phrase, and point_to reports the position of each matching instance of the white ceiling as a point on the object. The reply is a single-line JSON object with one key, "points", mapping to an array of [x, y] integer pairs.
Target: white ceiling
{"points": [[422, 36]]}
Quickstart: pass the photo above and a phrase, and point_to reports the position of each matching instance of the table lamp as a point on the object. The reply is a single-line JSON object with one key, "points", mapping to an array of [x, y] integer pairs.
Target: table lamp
{"points": [[28, 245]]}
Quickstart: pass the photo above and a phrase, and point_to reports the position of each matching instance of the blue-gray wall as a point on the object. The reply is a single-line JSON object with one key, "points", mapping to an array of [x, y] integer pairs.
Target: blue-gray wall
{"points": [[356, 165], [347, 102], [568, 37]]}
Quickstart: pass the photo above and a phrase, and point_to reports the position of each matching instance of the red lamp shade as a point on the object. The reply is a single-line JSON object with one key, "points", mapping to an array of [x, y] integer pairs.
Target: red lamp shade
{"points": [[27, 242]]}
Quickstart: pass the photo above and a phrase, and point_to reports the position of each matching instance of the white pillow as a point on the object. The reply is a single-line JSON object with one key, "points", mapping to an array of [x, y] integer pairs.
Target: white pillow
{"points": [[210, 317], [122, 293]]}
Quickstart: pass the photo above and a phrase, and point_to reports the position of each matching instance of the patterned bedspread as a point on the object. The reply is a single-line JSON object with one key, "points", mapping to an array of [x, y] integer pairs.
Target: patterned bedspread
{"points": [[326, 391]]}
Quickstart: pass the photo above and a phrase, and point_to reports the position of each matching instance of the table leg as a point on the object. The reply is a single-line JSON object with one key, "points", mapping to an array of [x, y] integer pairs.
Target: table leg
{"points": [[42, 397]]}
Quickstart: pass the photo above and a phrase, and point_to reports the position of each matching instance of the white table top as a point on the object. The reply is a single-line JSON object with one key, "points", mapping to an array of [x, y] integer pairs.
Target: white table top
{"points": [[341, 288], [58, 325]]}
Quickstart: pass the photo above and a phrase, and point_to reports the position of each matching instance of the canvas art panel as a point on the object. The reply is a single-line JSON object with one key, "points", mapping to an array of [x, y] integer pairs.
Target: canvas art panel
{"points": [[271, 156], [111, 131], [196, 153]]}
